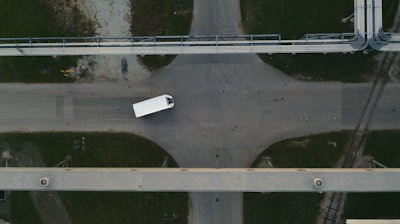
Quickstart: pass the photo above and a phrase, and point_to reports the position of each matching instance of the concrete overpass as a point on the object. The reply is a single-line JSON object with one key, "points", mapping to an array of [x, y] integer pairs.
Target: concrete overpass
{"points": [[368, 31], [165, 45], [200, 179]]}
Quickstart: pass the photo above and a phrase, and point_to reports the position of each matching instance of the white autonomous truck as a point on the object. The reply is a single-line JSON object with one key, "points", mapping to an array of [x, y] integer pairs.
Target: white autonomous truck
{"points": [[153, 105]]}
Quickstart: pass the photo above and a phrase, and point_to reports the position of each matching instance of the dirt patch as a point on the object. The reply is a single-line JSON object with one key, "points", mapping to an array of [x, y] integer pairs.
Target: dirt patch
{"points": [[98, 18], [110, 68], [299, 143], [67, 14], [265, 162], [113, 19], [154, 20]]}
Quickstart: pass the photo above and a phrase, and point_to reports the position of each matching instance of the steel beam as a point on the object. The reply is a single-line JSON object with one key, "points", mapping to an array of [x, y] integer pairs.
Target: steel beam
{"points": [[370, 18], [378, 24], [200, 179], [359, 17]]}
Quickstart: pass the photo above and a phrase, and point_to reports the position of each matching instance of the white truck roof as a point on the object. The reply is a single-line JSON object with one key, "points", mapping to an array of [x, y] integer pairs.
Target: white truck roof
{"points": [[153, 105]]}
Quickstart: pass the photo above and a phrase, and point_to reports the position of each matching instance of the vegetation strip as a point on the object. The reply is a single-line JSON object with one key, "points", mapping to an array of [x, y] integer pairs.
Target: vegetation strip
{"points": [[157, 18], [97, 150], [293, 19], [315, 151], [383, 147], [36, 18]]}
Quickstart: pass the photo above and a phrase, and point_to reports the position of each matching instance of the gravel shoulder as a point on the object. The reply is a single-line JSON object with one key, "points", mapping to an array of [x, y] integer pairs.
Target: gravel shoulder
{"points": [[112, 19]]}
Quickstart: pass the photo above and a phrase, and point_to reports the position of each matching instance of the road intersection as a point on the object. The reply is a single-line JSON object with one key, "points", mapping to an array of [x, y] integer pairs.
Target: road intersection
{"points": [[229, 108]]}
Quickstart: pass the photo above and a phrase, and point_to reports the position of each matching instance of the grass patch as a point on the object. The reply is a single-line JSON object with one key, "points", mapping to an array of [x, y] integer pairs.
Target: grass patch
{"points": [[36, 18], [101, 149], [327, 67], [389, 8], [35, 69], [160, 17], [283, 208], [292, 19], [106, 150], [155, 62], [121, 207], [384, 147], [372, 206], [305, 152], [22, 208]]}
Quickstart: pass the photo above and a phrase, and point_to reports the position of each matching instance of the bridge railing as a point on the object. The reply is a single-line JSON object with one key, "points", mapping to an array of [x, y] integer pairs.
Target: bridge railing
{"points": [[151, 41]]}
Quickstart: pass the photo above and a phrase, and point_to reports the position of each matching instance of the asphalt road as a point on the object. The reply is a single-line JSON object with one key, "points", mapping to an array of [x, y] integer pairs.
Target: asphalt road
{"points": [[387, 112], [229, 108]]}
